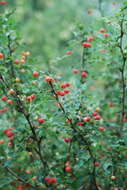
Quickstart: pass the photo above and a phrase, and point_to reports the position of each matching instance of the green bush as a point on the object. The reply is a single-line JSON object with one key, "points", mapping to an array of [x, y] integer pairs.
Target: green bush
{"points": [[63, 124]]}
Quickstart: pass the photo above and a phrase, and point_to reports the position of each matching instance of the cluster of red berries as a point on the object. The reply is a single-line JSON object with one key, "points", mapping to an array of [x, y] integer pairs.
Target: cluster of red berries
{"points": [[21, 187], [103, 31], [4, 98], [23, 58], [31, 98], [50, 180], [65, 91], [64, 85], [49, 79], [94, 114], [83, 74], [8, 132]]}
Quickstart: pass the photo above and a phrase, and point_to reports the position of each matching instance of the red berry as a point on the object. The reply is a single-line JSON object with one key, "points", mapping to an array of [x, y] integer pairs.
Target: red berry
{"points": [[11, 91], [84, 74], [46, 178], [6, 130], [102, 30], [67, 140], [69, 52], [86, 44], [101, 129], [28, 172], [40, 120], [33, 96], [113, 177], [66, 91], [94, 114], [27, 186], [116, 188], [9, 101], [28, 98], [53, 180], [16, 62], [10, 143], [80, 123], [96, 164], [106, 35], [75, 71], [68, 169], [97, 117], [49, 79], [19, 187], [86, 119], [67, 121], [63, 85], [9, 134], [67, 84], [110, 105], [90, 38], [60, 93], [35, 74], [4, 98]]}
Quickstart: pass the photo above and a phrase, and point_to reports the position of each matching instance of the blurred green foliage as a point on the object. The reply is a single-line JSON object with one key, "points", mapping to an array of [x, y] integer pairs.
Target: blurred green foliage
{"points": [[48, 25]]}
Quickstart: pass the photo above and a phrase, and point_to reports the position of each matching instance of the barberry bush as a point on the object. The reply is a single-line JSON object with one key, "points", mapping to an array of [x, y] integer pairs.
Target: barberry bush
{"points": [[65, 128]]}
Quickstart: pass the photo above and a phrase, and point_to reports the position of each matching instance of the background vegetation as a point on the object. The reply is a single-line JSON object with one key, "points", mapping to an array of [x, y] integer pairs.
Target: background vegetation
{"points": [[63, 105]]}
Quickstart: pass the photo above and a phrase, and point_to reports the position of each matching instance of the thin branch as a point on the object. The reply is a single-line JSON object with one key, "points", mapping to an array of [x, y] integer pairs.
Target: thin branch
{"points": [[79, 134], [122, 70], [18, 178]]}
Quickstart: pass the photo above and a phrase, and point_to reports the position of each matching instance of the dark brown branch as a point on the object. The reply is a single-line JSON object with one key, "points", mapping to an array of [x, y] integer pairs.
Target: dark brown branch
{"points": [[18, 178], [122, 70]]}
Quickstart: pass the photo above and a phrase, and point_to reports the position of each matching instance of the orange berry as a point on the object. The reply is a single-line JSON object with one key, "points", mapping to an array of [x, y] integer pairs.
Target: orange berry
{"points": [[1, 141], [34, 178], [17, 79], [30, 153], [11, 91], [34, 82], [1, 55], [113, 177]]}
